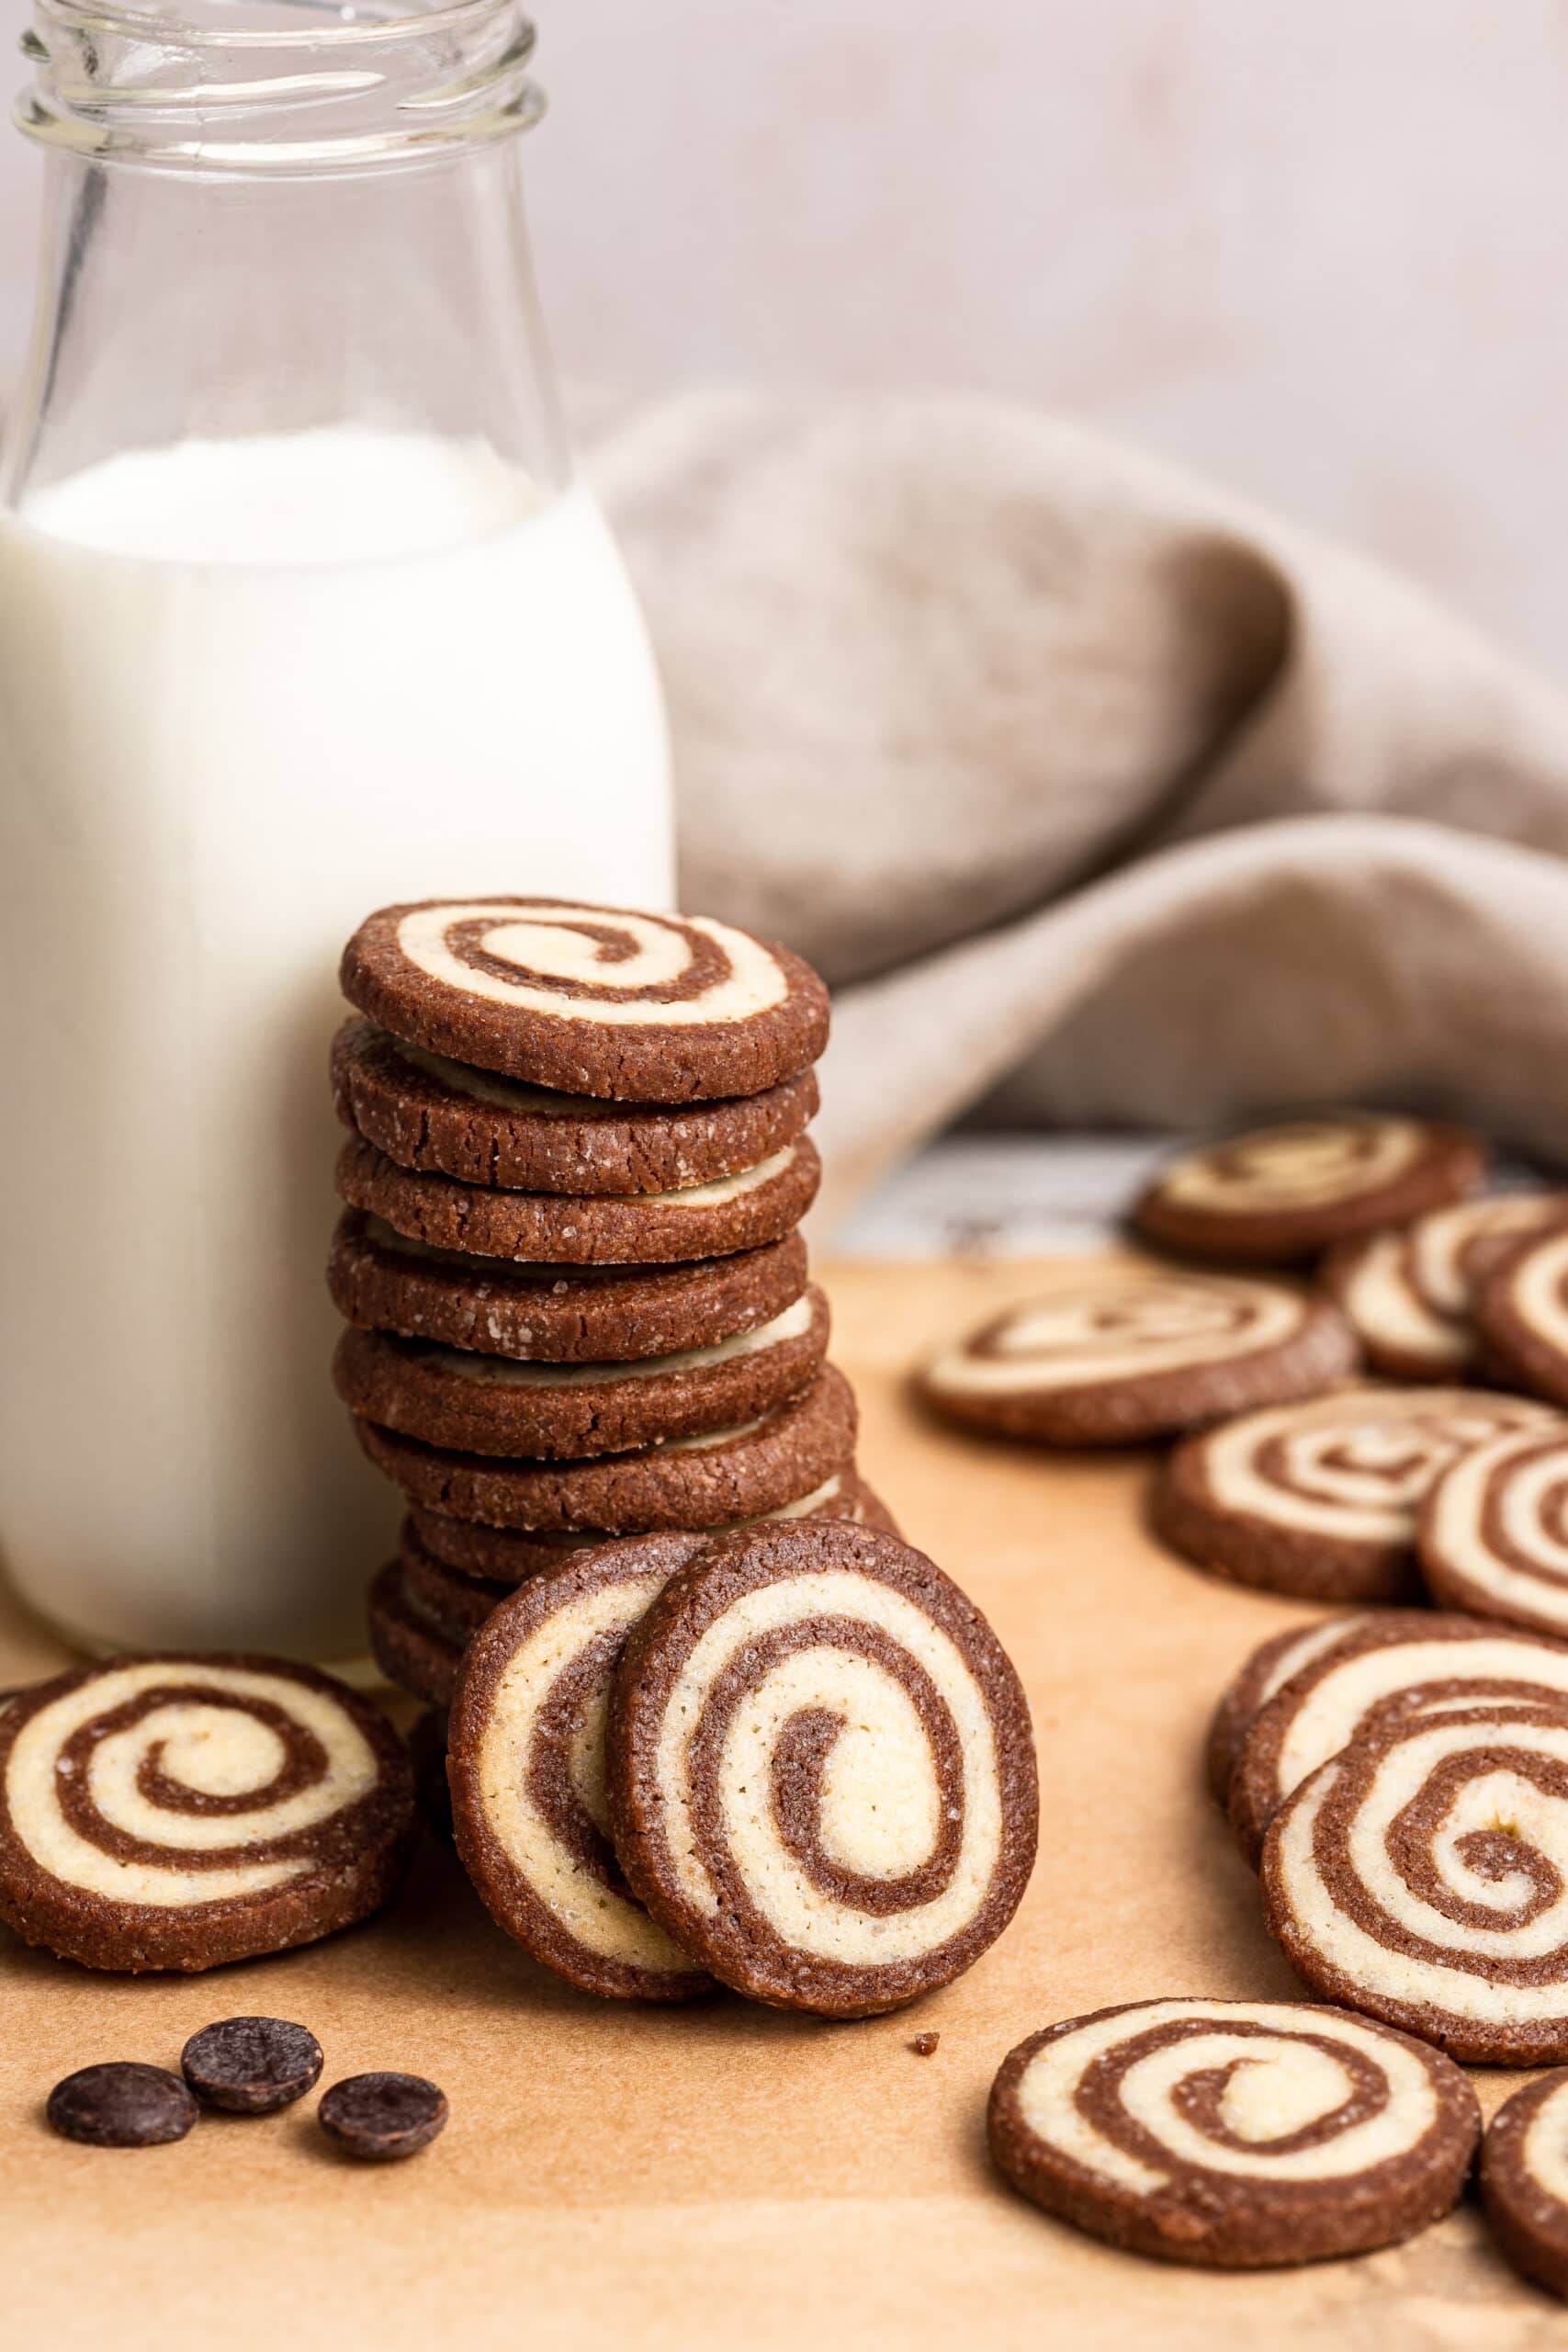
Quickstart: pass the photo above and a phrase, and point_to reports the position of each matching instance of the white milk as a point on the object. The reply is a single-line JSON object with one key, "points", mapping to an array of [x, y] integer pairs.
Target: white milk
{"points": [[248, 692]]}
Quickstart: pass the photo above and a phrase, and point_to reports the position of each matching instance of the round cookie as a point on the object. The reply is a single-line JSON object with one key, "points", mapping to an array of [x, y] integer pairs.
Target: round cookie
{"points": [[1397, 1666], [445, 1119], [1524, 2180], [690, 1481], [745, 1211], [444, 1556], [1234, 2134], [1422, 1878], [1114, 1354], [178, 1812], [1270, 1668], [601, 1001], [1320, 1500], [820, 1769], [1493, 1532], [485, 1404], [555, 1313], [526, 1762], [1523, 1316], [416, 1648], [1275, 1195], [1410, 1295]]}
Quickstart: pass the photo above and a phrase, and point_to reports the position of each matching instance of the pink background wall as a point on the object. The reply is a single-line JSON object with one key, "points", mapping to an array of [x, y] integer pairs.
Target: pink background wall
{"points": [[1322, 252]]}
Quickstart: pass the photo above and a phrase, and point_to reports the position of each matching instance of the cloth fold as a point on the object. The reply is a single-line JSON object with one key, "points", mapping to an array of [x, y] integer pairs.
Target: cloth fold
{"points": [[1099, 796]]}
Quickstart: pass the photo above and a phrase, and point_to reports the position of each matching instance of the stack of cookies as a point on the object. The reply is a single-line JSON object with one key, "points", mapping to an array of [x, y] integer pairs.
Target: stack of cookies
{"points": [[579, 1305]]}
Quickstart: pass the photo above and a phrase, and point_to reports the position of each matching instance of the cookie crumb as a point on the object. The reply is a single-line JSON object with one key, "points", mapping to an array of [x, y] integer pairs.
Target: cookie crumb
{"points": [[924, 2044]]}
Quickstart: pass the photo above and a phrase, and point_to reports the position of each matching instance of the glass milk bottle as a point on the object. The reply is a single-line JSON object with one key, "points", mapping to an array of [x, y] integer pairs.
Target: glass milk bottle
{"points": [[299, 613]]}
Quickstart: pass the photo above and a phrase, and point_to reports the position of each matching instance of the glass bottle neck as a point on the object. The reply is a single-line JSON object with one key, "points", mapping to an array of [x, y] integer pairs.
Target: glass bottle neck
{"points": [[213, 304]]}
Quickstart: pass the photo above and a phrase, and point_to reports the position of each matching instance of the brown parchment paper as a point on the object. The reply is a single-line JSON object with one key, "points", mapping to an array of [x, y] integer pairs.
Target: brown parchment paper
{"points": [[723, 2177]]}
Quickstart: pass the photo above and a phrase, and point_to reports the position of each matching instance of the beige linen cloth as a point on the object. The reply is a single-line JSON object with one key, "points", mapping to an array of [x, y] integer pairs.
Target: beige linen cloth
{"points": [[1099, 797]]}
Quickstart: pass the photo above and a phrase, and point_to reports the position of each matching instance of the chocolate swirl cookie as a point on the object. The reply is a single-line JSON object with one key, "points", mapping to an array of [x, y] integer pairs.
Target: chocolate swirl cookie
{"points": [[1320, 1500], [822, 1773], [1422, 1878], [1275, 1195], [1523, 1315], [1524, 2180], [1383, 1671], [689, 1482], [1411, 1295], [1118, 1353], [1493, 1533], [526, 1762], [555, 1313], [1234, 2134], [489, 1404], [744, 1211], [442, 1119], [178, 1812], [601, 1001], [497, 1559], [1270, 1666]]}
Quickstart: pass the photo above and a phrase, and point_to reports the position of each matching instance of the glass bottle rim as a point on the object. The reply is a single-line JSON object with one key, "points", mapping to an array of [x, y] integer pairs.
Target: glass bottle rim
{"points": [[276, 85]]}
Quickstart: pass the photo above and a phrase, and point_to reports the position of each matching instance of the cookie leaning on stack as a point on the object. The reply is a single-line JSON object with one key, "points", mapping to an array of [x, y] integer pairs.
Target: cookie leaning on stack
{"points": [[579, 1307]]}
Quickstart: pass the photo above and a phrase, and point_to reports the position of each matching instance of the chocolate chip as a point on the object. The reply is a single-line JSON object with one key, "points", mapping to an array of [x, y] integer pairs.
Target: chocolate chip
{"points": [[121, 2106], [924, 2044], [381, 2116], [250, 2066]]}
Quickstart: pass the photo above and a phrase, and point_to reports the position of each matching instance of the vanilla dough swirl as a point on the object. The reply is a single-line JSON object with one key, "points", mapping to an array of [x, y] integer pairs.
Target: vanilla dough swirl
{"points": [[623, 970], [189, 1810], [1494, 1531], [1233, 2133], [821, 1772], [1423, 1878]]}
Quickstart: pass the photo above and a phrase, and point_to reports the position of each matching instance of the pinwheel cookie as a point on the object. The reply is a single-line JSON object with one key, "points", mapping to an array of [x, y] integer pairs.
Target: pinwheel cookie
{"points": [[527, 1768], [1523, 1314], [1383, 1671], [177, 1812], [820, 1770], [1493, 1533], [555, 1313], [598, 1001], [1117, 1354], [1411, 1293], [744, 1211], [1422, 1877], [1236, 2135], [442, 1119], [1275, 1195], [1320, 1499], [1524, 2180]]}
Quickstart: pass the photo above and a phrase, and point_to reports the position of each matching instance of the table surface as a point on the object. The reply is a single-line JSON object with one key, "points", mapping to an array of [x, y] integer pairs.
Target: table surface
{"points": [[724, 2174]]}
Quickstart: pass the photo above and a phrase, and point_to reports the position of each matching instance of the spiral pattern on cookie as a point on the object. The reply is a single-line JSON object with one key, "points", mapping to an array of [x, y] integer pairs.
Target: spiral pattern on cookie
{"points": [[1423, 1878], [1305, 1164], [1268, 1670], [1356, 1465], [1524, 1316], [1411, 1295], [594, 962], [1494, 1531], [180, 1790], [527, 1768], [1386, 1670], [1232, 2132], [822, 1775], [1118, 1323]]}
